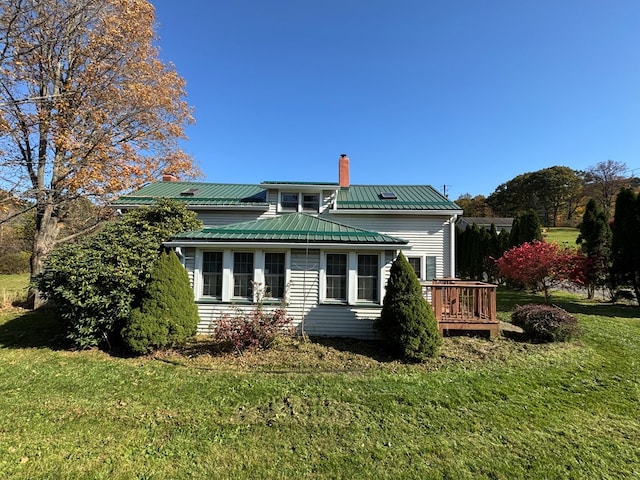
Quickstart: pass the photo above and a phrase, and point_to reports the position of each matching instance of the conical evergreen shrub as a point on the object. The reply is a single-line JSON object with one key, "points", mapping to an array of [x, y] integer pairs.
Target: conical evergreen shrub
{"points": [[167, 315], [407, 321]]}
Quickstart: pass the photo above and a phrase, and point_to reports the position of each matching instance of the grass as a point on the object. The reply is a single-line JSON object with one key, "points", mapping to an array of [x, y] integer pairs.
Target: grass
{"points": [[563, 236], [502, 409], [13, 288]]}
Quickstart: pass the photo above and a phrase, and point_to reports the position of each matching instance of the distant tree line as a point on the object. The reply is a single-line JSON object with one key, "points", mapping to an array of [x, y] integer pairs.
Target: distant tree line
{"points": [[557, 194]]}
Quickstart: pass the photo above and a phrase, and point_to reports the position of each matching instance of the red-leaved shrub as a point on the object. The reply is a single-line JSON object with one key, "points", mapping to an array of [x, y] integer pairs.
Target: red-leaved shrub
{"points": [[538, 265], [255, 329]]}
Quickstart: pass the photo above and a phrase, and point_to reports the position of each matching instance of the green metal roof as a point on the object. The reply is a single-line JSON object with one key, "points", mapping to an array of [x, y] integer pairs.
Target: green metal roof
{"points": [[355, 197], [291, 228], [201, 194], [408, 197], [279, 182]]}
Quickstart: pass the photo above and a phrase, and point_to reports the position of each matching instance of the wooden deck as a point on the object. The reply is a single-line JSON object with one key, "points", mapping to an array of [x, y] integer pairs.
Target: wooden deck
{"points": [[463, 305]]}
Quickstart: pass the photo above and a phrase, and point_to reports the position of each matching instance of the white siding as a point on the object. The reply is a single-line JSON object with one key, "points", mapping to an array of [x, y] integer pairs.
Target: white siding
{"points": [[427, 236], [303, 307], [189, 262]]}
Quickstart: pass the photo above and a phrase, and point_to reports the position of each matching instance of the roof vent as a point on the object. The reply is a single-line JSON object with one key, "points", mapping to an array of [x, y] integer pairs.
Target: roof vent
{"points": [[189, 193], [387, 196]]}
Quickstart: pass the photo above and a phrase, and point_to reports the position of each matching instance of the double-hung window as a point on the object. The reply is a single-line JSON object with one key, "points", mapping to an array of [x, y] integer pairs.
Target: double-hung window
{"points": [[243, 274], [368, 272], [298, 201], [310, 202], [212, 274], [274, 274], [429, 262], [336, 276], [289, 202], [416, 264]]}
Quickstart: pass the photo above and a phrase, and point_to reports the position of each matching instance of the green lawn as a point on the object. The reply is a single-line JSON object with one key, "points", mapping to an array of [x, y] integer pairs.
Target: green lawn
{"points": [[12, 288], [502, 409], [564, 236]]}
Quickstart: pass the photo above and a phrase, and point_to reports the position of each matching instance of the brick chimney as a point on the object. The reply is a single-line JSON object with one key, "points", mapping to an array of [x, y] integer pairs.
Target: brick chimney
{"points": [[343, 170], [169, 177]]}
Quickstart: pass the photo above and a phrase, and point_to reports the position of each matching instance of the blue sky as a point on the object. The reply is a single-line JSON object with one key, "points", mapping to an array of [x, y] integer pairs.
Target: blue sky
{"points": [[466, 94]]}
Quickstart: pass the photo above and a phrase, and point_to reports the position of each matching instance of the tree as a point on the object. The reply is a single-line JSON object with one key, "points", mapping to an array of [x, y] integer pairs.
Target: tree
{"points": [[167, 315], [595, 241], [625, 242], [407, 321], [94, 284], [551, 192], [474, 206], [537, 265], [477, 250], [526, 228], [513, 196], [606, 178], [87, 108], [556, 188]]}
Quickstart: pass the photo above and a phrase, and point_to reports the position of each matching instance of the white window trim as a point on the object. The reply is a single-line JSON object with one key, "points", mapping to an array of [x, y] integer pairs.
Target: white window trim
{"points": [[259, 275], [300, 201], [352, 278], [424, 269], [227, 273], [421, 274]]}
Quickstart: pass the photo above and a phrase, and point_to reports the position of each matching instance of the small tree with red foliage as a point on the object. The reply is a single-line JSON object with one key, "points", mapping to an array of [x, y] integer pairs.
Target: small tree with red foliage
{"points": [[538, 265]]}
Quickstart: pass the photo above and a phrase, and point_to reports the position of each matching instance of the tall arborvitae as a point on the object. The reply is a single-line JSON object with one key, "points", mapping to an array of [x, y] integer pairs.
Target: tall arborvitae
{"points": [[494, 250], [477, 249], [625, 242], [168, 315], [526, 228], [407, 321], [595, 241]]}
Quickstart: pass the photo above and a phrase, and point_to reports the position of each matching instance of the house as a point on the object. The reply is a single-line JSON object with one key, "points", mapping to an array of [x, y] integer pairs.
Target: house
{"points": [[325, 248]]}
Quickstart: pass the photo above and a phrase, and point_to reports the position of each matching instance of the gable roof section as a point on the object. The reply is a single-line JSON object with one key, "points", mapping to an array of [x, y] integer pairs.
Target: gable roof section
{"points": [[203, 194], [291, 228], [408, 197]]}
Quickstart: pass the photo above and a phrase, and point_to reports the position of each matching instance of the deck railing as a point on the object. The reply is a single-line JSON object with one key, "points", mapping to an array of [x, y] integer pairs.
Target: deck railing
{"points": [[463, 305]]}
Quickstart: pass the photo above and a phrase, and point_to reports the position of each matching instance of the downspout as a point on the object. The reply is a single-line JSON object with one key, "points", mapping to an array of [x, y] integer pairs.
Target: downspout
{"points": [[452, 245]]}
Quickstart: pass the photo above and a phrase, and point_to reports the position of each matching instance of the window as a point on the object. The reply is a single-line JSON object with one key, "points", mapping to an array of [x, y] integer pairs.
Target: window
{"points": [[311, 202], [431, 268], [336, 276], [274, 274], [243, 274], [416, 264], [212, 274], [289, 201], [368, 271]]}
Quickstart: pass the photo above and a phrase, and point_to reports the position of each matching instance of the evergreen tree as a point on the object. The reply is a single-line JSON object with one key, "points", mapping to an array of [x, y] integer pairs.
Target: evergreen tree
{"points": [[407, 321], [94, 284], [494, 250], [595, 241], [167, 315], [625, 242], [526, 228]]}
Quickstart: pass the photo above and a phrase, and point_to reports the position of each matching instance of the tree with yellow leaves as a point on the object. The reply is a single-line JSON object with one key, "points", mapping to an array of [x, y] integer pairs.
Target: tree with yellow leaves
{"points": [[87, 108]]}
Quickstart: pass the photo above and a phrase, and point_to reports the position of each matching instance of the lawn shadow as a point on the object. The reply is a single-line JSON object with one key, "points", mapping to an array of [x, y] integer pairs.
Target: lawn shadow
{"points": [[33, 329], [373, 349], [508, 300], [599, 309]]}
